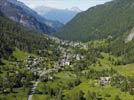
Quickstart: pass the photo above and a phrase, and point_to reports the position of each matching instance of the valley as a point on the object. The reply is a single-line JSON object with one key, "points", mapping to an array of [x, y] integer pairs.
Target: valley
{"points": [[73, 74], [89, 58]]}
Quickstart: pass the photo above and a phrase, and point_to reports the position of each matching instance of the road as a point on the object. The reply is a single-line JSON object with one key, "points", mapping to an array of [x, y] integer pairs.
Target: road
{"points": [[33, 90]]}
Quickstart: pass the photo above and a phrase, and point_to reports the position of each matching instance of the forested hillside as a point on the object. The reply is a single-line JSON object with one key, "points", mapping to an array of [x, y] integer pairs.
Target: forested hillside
{"points": [[121, 48], [13, 35], [110, 19]]}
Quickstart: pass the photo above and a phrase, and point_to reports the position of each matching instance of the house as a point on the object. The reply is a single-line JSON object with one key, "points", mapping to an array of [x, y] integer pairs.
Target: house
{"points": [[64, 62], [77, 57], [67, 62], [105, 81]]}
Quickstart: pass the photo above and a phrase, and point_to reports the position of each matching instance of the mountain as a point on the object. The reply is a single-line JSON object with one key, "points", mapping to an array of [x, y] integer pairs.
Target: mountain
{"points": [[20, 13], [110, 19], [61, 15]]}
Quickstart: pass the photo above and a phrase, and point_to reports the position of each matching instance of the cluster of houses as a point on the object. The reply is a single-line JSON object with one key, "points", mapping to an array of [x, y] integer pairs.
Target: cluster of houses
{"points": [[65, 59], [70, 43], [33, 64]]}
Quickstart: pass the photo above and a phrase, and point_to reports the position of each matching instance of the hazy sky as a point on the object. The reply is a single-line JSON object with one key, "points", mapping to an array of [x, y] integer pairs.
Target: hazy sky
{"points": [[63, 4]]}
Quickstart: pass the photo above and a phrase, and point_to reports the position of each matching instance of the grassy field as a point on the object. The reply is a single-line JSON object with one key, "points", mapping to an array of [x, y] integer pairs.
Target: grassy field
{"points": [[21, 55], [126, 70], [19, 94], [107, 92], [106, 61], [64, 78], [40, 97]]}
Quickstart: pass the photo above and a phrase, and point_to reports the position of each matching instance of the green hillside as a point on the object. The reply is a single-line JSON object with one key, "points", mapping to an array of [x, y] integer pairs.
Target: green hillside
{"points": [[110, 19], [120, 48]]}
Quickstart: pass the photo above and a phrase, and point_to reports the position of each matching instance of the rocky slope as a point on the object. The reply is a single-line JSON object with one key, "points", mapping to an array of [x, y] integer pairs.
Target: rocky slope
{"points": [[20, 13]]}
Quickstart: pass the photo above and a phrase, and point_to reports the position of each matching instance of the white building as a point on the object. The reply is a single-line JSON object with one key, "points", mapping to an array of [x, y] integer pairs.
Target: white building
{"points": [[105, 80]]}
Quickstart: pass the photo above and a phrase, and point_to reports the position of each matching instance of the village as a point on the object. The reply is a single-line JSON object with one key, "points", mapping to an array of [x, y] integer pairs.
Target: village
{"points": [[65, 61], [73, 61], [45, 74], [73, 64]]}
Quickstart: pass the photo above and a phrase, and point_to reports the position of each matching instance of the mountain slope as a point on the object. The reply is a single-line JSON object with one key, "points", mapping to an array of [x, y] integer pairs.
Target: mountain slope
{"points": [[61, 15], [109, 19], [13, 35], [19, 12]]}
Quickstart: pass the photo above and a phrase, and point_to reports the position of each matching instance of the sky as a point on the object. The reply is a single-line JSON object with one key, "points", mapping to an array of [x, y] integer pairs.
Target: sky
{"points": [[63, 4]]}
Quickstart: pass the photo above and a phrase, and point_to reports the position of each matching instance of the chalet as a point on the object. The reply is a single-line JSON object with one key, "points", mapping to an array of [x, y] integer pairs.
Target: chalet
{"points": [[64, 62], [77, 57], [105, 81]]}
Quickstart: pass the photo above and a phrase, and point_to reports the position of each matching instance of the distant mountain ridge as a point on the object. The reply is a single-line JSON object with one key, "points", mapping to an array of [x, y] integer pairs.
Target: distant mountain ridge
{"points": [[19, 12], [62, 15], [99, 22]]}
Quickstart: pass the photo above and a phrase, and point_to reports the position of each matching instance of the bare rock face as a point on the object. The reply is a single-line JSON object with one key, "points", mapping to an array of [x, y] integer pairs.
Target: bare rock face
{"points": [[20, 13], [130, 36]]}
